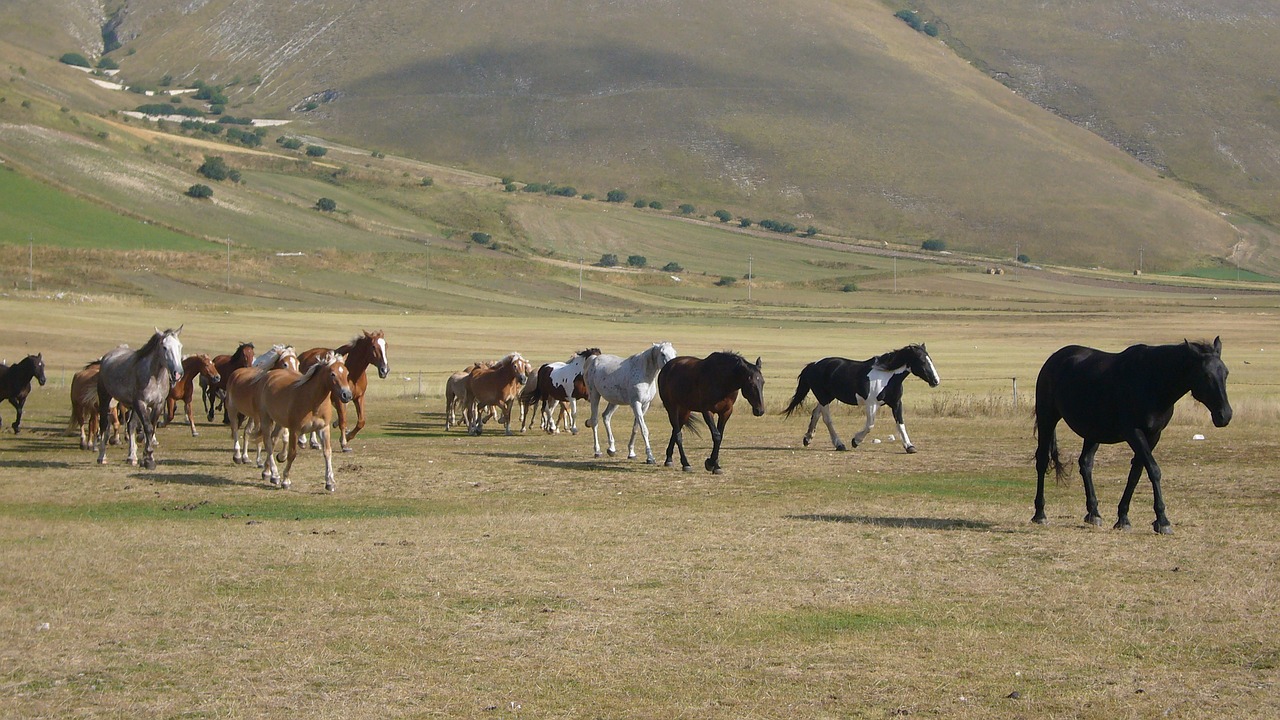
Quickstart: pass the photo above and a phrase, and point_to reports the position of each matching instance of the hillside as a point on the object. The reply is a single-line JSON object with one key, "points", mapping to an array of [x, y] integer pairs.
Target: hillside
{"points": [[832, 114]]}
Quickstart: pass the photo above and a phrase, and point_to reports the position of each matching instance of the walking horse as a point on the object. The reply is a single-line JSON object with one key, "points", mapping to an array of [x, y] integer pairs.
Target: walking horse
{"points": [[1128, 397], [301, 403], [557, 384], [368, 348], [193, 366], [15, 383], [140, 381], [869, 383], [84, 408], [498, 385], [689, 384], [242, 399], [213, 393], [625, 381]]}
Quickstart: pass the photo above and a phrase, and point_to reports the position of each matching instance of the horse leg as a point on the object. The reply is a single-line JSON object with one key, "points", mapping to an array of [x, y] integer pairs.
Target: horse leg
{"points": [[640, 409], [573, 416], [292, 455], [606, 417], [17, 406], [136, 422], [861, 435], [191, 418], [902, 428], [717, 437], [677, 417], [825, 412], [1143, 446], [347, 437], [1091, 515], [104, 422], [268, 433], [326, 447], [508, 406], [1046, 450]]}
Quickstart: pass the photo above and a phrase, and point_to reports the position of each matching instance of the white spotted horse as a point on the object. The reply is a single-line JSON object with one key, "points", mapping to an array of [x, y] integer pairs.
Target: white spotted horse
{"points": [[868, 383]]}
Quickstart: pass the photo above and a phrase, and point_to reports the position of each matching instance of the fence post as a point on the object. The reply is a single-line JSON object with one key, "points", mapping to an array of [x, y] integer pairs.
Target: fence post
{"points": [[1015, 392]]}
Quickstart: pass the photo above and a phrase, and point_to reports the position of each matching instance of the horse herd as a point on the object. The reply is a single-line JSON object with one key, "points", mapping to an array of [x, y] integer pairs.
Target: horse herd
{"points": [[1104, 397]]}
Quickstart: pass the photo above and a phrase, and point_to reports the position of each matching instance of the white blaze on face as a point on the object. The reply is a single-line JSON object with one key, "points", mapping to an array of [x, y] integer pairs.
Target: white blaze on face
{"points": [[382, 345], [937, 379]]}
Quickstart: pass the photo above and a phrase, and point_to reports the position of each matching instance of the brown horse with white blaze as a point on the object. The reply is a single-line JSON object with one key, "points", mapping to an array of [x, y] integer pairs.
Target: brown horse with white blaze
{"points": [[302, 403], [192, 365], [367, 348]]}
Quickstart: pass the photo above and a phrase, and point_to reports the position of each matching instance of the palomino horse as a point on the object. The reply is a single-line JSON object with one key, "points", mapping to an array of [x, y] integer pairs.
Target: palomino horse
{"points": [[494, 386], [84, 408], [869, 383], [15, 383], [214, 393], [557, 384], [140, 381], [242, 398], [688, 385], [368, 348], [192, 366], [1128, 397], [301, 403], [631, 381]]}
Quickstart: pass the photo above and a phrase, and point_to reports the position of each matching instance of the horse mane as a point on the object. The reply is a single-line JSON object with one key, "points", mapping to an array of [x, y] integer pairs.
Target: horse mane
{"points": [[510, 359], [240, 351], [589, 352], [894, 358], [91, 363], [150, 345], [330, 358]]}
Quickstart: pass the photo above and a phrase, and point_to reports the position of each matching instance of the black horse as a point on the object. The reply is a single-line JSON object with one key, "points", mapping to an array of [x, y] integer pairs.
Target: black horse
{"points": [[689, 384], [15, 383], [870, 383], [1122, 397]]}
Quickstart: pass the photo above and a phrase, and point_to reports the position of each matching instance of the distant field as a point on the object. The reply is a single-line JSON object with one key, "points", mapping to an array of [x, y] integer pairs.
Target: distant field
{"points": [[1225, 273], [51, 218]]}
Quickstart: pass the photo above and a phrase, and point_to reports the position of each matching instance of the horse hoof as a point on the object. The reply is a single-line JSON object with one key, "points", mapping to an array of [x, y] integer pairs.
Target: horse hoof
{"points": [[710, 466], [842, 448], [102, 461], [573, 431], [911, 449], [1096, 521], [650, 461], [855, 442], [330, 487], [285, 484], [668, 464], [1040, 519], [1162, 529], [347, 449], [149, 464], [687, 468], [195, 434], [612, 453], [717, 471], [599, 455], [806, 441], [1121, 525]]}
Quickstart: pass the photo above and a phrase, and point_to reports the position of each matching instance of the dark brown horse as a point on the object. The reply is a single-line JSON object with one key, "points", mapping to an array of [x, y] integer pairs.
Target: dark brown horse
{"points": [[15, 383], [192, 365], [215, 394], [367, 348], [688, 385]]}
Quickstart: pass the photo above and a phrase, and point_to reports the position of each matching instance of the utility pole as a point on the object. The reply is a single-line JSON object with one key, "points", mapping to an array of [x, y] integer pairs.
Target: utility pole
{"points": [[426, 285], [749, 260], [580, 261], [228, 279], [895, 274], [31, 263]]}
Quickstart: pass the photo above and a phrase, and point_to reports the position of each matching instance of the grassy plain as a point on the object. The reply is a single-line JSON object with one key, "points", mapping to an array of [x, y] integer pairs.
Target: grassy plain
{"points": [[518, 576]]}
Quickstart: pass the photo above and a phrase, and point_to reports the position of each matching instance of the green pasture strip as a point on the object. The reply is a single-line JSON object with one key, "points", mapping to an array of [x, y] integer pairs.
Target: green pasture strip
{"points": [[208, 510], [1226, 273], [50, 217]]}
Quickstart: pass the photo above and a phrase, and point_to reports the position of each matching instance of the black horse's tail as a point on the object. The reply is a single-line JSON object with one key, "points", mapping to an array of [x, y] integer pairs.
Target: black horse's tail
{"points": [[1059, 470], [802, 391]]}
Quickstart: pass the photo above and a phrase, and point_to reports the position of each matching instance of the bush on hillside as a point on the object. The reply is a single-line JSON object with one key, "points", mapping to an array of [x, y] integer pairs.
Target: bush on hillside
{"points": [[726, 281], [199, 191], [655, 205], [672, 267], [934, 245], [481, 238], [214, 168], [616, 196], [1024, 258], [317, 151], [722, 215], [637, 261], [608, 260], [107, 63], [687, 209], [76, 59], [640, 203], [326, 204]]}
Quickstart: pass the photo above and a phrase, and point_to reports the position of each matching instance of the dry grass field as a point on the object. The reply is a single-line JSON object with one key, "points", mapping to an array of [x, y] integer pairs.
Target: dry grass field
{"points": [[455, 576]]}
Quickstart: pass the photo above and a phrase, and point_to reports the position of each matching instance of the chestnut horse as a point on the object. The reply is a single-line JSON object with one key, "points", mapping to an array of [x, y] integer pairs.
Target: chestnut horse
{"points": [[301, 403], [214, 393], [688, 385], [84, 408], [192, 365], [455, 393], [495, 386], [15, 383], [242, 398], [368, 348]]}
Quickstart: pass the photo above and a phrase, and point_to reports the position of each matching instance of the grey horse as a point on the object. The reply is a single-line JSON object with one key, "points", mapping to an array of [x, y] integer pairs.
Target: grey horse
{"points": [[624, 381], [140, 381]]}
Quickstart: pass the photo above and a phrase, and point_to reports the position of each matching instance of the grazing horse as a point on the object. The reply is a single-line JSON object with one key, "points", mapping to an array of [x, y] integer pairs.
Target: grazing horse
{"points": [[368, 348], [193, 366], [301, 403], [1122, 397], [495, 386], [688, 385], [242, 398], [140, 381], [15, 383], [631, 381], [84, 408], [869, 383], [216, 392]]}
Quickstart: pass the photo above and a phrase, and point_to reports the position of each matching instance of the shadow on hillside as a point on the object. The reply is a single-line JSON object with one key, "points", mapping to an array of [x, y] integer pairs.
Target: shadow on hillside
{"points": [[899, 522]]}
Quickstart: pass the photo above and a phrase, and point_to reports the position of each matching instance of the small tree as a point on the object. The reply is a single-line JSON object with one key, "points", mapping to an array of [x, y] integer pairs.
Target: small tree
{"points": [[317, 151], [640, 203], [214, 168], [810, 231], [608, 260], [428, 181], [655, 205], [325, 204], [726, 281], [744, 222], [107, 63], [1023, 258], [75, 59], [723, 216], [199, 191], [672, 267], [637, 261], [616, 196], [481, 238], [933, 245], [687, 209], [291, 143]]}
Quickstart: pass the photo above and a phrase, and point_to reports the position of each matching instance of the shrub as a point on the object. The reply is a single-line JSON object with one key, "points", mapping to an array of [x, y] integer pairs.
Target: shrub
{"points": [[214, 168], [506, 180], [934, 245], [672, 267], [588, 196], [510, 187], [535, 187], [726, 281], [166, 80], [232, 120], [326, 204], [428, 181], [317, 151], [849, 287], [200, 191], [616, 196], [290, 143], [722, 215], [640, 203], [744, 222], [1023, 258], [608, 260], [637, 261], [687, 209], [233, 176], [655, 205], [155, 109], [481, 238], [564, 191], [780, 227], [76, 59], [107, 63], [810, 231]]}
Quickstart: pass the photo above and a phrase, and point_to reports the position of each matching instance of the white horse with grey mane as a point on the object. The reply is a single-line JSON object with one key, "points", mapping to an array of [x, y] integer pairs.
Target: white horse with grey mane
{"points": [[140, 381], [632, 382]]}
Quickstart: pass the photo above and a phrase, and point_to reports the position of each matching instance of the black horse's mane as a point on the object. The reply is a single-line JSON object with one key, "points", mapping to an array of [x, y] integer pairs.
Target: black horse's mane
{"points": [[895, 358]]}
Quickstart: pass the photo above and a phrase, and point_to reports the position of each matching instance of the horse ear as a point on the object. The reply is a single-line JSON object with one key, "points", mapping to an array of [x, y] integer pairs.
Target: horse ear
{"points": [[758, 359], [1217, 345], [178, 332]]}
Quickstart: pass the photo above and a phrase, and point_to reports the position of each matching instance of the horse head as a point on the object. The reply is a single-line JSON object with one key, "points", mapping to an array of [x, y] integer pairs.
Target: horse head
{"points": [[379, 343], [1209, 380], [663, 353], [171, 352], [921, 365], [208, 370], [338, 379], [245, 353], [37, 366], [523, 368], [752, 384]]}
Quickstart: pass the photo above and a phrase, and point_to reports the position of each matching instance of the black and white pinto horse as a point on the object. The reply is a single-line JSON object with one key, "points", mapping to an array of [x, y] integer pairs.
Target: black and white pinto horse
{"points": [[1122, 397], [15, 383], [140, 381], [629, 381], [869, 383]]}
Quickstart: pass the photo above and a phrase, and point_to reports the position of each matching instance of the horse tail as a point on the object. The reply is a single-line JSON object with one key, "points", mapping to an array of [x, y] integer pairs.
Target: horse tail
{"points": [[802, 391]]}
